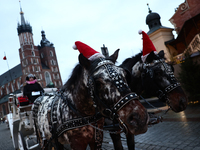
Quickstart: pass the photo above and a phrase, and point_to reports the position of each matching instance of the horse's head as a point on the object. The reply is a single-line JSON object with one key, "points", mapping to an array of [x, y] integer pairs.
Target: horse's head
{"points": [[158, 79], [112, 96]]}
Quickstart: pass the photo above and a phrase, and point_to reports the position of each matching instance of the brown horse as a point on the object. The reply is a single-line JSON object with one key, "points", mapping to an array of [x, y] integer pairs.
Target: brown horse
{"points": [[72, 116], [156, 78]]}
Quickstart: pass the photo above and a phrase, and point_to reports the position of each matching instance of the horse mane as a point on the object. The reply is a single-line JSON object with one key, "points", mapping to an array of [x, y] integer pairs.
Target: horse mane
{"points": [[130, 62], [74, 78]]}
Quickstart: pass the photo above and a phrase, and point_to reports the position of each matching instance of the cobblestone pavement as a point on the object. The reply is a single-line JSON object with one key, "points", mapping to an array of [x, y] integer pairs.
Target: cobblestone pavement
{"points": [[5, 138], [178, 131]]}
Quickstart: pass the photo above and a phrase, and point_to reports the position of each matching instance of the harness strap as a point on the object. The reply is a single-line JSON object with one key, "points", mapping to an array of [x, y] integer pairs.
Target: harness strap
{"points": [[75, 123], [120, 104]]}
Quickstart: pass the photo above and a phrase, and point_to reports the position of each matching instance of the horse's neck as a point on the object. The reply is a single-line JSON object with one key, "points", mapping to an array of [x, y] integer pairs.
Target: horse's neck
{"points": [[80, 96], [136, 85], [136, 80]]}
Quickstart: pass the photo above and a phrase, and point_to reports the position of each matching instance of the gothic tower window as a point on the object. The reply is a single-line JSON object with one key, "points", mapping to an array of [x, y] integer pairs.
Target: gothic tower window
{"points": [[7, 90], [51, 53], [36, 69], [25, 40], [30, 38], [47, 77], [23, 64], [12, 88], [23, 55], [52, 62], [31, 46], [32, 52], [26, 70], [18, 85]]}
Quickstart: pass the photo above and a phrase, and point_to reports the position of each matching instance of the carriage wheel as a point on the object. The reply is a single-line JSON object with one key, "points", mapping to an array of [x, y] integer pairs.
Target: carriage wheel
{"points": [[21, 141]]}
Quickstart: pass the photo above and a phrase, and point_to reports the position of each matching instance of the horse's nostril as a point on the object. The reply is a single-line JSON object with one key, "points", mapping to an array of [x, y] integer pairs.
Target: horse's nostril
{"points": [[133, 123], [132, 119]]}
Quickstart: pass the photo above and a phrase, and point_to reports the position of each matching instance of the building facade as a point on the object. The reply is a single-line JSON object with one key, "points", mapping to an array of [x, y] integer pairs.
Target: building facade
{"points": [[40, 61], [186, 21]]}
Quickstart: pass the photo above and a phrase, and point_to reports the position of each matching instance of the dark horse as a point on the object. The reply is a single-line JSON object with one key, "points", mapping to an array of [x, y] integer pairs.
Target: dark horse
{"points": [[156, 78], [72, 115]]}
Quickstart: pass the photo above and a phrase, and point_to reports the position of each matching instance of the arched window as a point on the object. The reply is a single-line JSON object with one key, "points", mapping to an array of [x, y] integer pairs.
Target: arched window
{"points": [[12, 88], [42, 55], [23, 55], [25, 39], [36, 69], [18, 85], [47, 77], [34, 61], [51, 53], [7, 90], [32, 52]]}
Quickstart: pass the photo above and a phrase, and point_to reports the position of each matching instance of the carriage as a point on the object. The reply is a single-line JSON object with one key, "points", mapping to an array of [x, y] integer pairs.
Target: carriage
{"points": [[20, 122]]}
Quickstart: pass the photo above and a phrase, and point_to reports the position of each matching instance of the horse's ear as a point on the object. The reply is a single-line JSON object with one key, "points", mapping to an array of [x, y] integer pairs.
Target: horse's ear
{"points": [[84, 61], [161, 54], [150, 57], [114, 56]]}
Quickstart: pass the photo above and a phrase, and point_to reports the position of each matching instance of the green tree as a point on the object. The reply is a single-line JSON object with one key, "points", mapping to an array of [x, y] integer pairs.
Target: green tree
{"points": [[189, 77]]}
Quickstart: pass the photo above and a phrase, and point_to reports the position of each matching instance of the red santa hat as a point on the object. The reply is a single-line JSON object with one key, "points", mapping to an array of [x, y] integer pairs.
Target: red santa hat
{"points": [[86, 50], [148, 46]]}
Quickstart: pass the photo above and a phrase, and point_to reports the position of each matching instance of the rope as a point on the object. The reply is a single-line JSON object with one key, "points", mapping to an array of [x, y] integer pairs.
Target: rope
{"points": [[165, 111]]}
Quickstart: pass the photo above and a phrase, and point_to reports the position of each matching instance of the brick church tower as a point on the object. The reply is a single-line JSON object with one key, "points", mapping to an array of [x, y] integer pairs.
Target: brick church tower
{"points": [[40, 60]]}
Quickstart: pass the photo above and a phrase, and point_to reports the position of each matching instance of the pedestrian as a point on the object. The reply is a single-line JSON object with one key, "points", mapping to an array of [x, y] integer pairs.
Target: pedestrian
{"points": [[32, 89]]}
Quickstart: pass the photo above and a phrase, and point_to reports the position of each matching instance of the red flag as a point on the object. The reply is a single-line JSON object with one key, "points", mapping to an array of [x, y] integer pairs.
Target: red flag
{"points": [[4, 58]]}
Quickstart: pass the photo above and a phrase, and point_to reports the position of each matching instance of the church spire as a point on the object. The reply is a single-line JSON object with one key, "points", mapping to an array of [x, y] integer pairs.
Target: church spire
{"points": [[24, 26], [22, 14]]}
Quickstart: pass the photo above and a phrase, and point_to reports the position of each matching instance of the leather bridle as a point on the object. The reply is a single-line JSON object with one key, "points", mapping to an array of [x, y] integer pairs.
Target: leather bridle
{"points": [[148, 68], [117, 80]]}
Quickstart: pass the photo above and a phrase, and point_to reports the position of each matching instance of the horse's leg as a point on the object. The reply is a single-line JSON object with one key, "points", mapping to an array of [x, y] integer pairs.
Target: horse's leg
{"points": [[116, 138], [130, 141]]}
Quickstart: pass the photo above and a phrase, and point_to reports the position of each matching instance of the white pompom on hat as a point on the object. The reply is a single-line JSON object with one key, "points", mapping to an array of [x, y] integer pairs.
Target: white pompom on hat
{"points": [[148, 46], [86, 50]]}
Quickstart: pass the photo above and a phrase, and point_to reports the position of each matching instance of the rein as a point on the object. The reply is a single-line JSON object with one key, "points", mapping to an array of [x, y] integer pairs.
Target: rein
{"points": [[165, 111]]}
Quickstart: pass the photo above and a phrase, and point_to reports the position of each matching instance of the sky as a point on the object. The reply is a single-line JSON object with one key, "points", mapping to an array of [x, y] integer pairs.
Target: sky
{"points": [[114, 23]]}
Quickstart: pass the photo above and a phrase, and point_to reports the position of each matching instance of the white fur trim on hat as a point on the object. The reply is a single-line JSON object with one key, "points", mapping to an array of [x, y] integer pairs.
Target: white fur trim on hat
{"points": [[96, 55], [74, 47], [145, 56], [140, 31]]}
